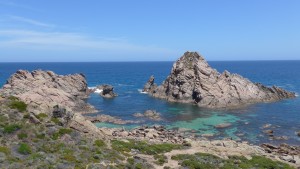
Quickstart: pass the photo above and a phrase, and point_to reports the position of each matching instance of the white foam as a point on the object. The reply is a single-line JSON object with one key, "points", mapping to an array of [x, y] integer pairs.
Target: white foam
{"points": [[141, 91], [124, 84], [296, 94], [98, 91], [95, 89]]}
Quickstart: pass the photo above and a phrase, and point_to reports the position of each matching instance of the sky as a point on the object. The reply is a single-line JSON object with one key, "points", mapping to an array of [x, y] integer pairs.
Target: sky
{"points": [[154, 30]]}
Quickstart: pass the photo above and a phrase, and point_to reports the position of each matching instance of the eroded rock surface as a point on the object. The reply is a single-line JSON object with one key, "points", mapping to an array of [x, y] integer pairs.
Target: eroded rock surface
{"points": [[42, 90], [192, 80], [61, 97]]}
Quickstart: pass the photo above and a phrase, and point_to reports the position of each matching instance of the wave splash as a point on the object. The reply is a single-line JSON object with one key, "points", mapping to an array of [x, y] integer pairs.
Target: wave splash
{"points": [[141, 91], [95, 89]]}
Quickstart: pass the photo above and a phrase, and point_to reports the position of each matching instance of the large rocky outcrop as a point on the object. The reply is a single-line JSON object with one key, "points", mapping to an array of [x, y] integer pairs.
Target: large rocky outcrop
{"points": [[61, 97], [42, 90], [192, 80]]}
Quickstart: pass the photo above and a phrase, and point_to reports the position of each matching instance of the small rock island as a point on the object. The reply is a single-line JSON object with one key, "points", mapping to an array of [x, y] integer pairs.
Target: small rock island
{"points": [[193, 81]]}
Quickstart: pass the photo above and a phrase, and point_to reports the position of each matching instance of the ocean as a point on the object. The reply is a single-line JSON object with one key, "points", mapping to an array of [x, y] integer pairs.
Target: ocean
{"points": [[128, 78]]}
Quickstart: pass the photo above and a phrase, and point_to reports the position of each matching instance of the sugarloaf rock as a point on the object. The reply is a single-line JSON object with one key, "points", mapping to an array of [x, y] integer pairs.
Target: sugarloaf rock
{"points": [[193, 81]]}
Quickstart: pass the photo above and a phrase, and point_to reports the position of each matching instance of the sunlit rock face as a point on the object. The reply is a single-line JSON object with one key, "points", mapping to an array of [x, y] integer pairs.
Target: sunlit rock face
{"points": [[192, 80]]}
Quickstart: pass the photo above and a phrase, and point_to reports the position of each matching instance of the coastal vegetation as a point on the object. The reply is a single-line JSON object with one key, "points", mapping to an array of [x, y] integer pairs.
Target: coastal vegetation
{"points": [[208, 161], [24, 143]]}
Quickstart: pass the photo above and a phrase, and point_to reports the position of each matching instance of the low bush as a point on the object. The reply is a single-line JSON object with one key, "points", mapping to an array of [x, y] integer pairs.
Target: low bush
{"points": [[99, 143], [19, 105], [24, 149], [60, 133], [4, 150], [11, 128], [160, 159], [144, 147], [203, 160], [22, 135]]}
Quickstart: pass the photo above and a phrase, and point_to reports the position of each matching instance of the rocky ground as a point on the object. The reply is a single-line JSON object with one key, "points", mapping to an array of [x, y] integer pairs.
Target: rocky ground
{"points": [[40, 127], [49, 141]]}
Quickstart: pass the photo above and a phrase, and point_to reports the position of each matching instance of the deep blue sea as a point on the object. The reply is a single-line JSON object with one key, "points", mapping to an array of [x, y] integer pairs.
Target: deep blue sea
{"points": [[128, 77]]}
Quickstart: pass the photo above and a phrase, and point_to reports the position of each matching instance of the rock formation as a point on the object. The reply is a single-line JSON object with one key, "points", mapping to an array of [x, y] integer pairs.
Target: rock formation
{"points": [[61, 97], [192, 80], [42, 90], [106, 91]]}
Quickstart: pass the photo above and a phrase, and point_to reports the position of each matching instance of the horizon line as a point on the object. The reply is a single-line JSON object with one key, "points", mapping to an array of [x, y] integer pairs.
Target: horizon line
{"points": [[141, 61]]}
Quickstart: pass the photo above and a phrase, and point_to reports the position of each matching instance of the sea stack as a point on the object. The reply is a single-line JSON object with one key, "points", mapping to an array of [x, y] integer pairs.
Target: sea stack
{"points": [[193, 81]]}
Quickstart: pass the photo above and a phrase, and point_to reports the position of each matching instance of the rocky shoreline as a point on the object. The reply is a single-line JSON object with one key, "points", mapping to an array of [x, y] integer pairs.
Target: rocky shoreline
{"points": [[159, 134], [42, 115]]}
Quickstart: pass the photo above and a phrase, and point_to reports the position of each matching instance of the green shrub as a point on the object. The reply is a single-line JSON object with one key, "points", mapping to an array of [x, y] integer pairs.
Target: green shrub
{"points": [[143, 147], [24, 149], [5, 150], [11, 128], [26, 116], [160, 159], [63, 131], [69, 157], [19, 105], [203, 160], [40, 136], [130, 161], [55, 120], [99, 143], [42, 116], [139, 166], [35, 156], [60, 133], [22, 135], [113, 156], [13, 98]]}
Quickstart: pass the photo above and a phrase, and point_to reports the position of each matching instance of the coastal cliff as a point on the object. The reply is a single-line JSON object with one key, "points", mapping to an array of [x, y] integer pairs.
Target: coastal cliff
{"points": [[192, 80]]}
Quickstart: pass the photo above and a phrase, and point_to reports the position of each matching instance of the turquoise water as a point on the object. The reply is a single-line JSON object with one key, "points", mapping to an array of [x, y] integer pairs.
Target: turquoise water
{"points": [[129, 77]]}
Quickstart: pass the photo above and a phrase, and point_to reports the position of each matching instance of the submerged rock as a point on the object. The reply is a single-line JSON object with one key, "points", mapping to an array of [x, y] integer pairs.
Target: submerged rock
{"points": [[151, 114], [223, 125], [192, 80]]}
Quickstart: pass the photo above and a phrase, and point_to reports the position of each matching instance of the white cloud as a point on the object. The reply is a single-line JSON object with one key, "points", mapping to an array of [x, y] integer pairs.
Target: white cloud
{"points": [[18, 40], [30, 21], [10, 3]]}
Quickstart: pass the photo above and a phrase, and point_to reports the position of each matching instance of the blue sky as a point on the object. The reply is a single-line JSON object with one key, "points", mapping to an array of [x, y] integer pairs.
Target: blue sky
{"points": [[156, 30]]}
